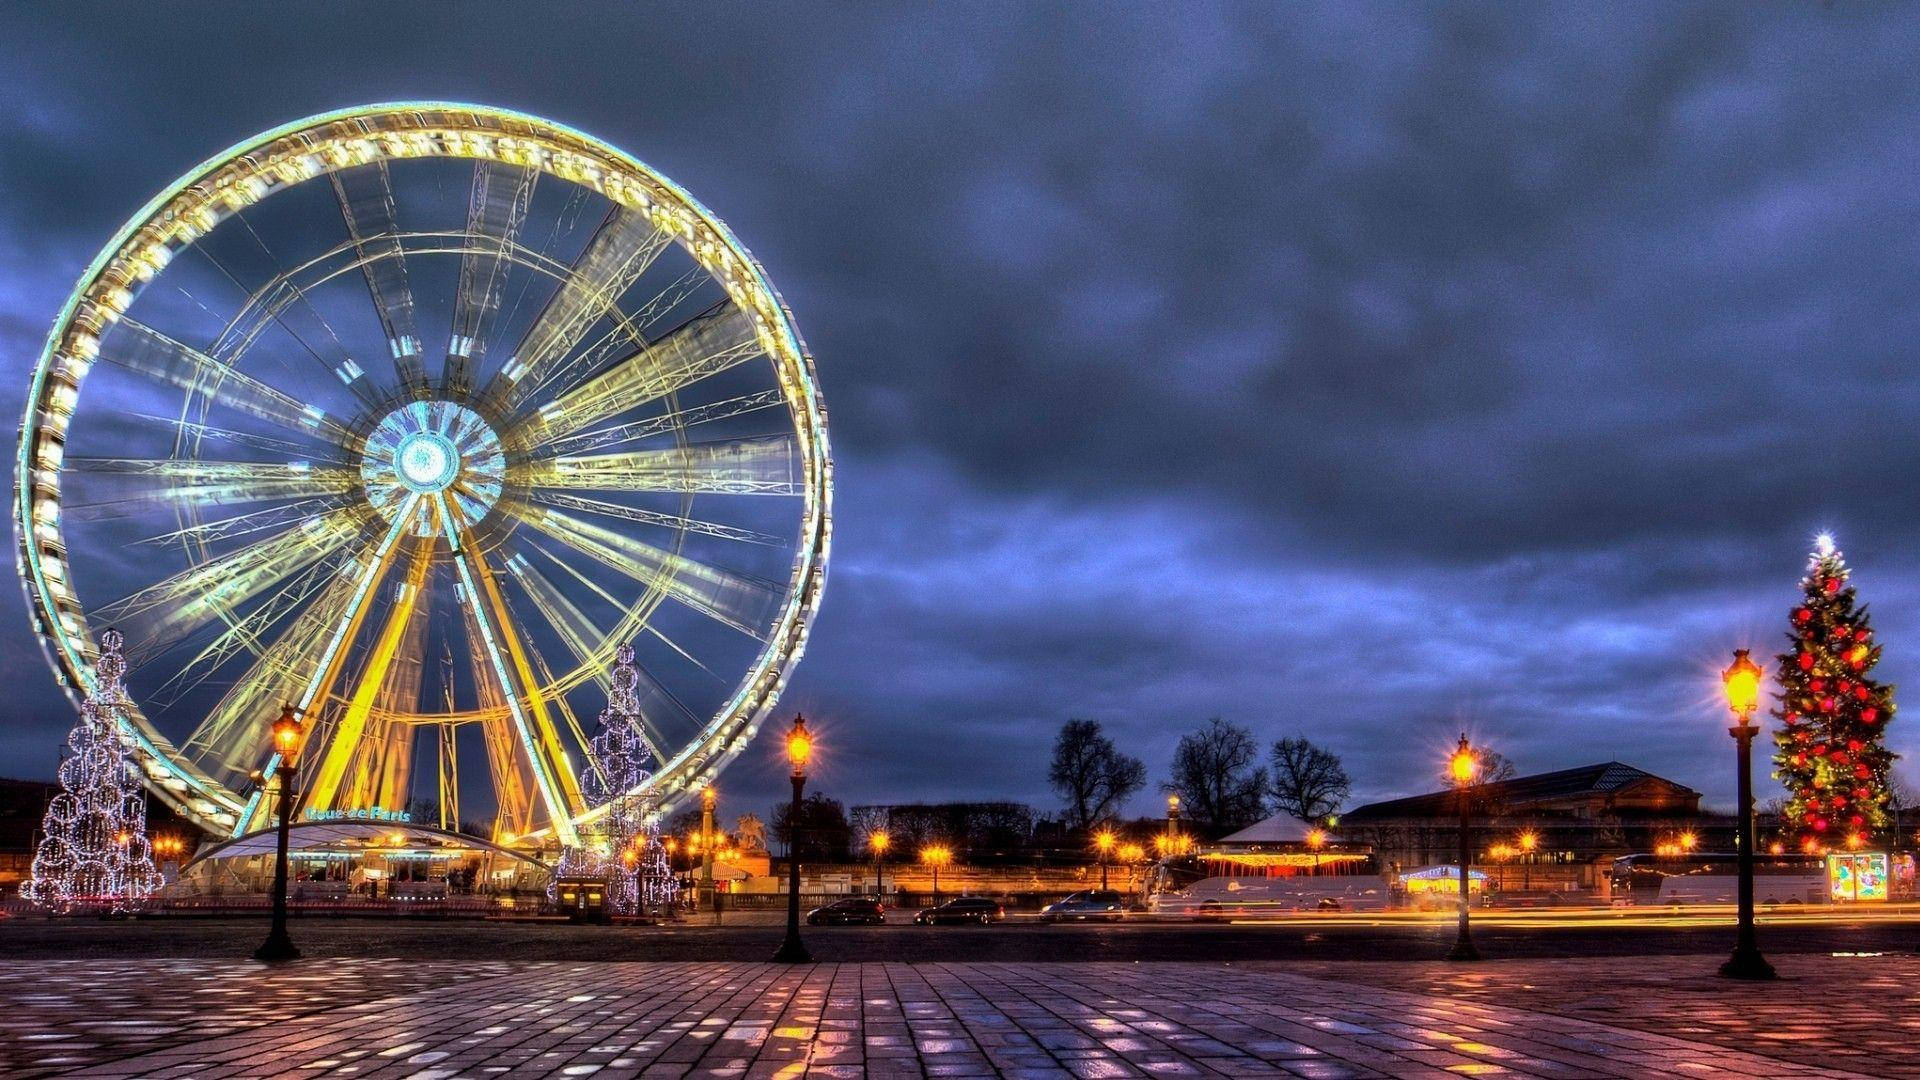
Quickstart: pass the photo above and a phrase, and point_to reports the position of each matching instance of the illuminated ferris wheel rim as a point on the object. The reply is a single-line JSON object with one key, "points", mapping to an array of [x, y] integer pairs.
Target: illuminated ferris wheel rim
{"points": [[252, 169]]}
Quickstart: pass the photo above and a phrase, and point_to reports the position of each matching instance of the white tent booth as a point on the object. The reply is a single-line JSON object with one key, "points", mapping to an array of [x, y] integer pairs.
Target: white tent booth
{"points": [[1279, 865]]}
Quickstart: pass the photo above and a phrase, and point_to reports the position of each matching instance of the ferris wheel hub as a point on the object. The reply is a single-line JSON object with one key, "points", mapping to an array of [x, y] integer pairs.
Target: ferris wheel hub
{"points": [[427, 462], [434, 448]]}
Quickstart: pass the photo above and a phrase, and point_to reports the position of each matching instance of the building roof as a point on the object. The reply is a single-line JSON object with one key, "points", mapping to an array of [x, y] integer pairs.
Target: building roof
{"points": [[1278, 829], [1605, 778]]}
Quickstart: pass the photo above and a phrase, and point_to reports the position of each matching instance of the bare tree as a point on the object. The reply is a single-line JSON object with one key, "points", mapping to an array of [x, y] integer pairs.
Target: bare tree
{"points": [[1494, 768], [1091, 775], [1217, 778], [1307, 781]]}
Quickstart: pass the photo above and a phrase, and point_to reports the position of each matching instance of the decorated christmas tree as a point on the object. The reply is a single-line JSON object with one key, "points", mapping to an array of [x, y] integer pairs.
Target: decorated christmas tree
{"points": [[622, 846], [1831, 751], [94, 854]]}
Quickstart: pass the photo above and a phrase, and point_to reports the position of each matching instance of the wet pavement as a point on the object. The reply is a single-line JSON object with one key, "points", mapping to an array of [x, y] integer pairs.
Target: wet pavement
{"points": [[438, 1019]]}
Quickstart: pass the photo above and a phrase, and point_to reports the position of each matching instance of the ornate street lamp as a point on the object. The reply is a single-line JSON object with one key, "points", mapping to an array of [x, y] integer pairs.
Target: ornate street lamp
{"points": [[799, 749], [1528, 841], [1742, 681], [1464, 766], [877, 840], [1103, 842], [1316, 839], [286, 743]]}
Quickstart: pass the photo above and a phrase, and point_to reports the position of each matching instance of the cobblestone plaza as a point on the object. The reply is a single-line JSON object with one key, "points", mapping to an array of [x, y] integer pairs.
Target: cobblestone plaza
{"points": [[441, 1019]]}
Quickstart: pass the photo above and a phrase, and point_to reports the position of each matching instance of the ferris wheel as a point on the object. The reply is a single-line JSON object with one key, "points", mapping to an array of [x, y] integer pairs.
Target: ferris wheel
{"points": [[410, 416]]}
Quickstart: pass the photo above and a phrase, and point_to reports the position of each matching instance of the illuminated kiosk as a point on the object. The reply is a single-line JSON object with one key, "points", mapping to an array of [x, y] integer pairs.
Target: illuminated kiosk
{"points": [[352, 860], [408, 416], [1439, 886]]}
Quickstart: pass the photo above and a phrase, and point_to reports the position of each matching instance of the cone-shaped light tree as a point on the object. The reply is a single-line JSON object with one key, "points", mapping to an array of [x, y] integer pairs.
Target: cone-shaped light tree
{"points": [[94, 854], [1830, 749]]}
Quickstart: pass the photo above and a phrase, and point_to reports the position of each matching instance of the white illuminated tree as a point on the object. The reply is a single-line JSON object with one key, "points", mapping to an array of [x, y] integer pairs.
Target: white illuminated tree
{"points": [[94, 854], [623, 846]]}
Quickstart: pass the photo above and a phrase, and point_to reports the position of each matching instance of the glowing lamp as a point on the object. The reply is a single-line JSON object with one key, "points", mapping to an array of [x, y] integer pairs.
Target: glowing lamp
{"points": [[1104, 840], [1316, 838], [936, 855], [1463, 765], [878, 841], [708, 797], [799, 745], [286, 734], [1687, 841], [1529, 840], [1742, 681]]}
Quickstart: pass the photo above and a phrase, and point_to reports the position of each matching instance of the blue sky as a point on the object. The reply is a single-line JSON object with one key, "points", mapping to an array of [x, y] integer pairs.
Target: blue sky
{"points": [[1363, 371]]}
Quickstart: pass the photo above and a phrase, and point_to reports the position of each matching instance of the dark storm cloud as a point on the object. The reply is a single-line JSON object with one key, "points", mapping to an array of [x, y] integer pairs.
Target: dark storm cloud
{"points": [[1370, 371]]}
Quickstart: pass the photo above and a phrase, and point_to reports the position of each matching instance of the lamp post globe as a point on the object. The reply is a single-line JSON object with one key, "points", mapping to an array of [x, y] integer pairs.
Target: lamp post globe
{"points": [[799, 752], [286, 745]]}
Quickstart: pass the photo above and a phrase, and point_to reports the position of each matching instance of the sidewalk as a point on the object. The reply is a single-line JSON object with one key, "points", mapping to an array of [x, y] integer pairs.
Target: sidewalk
{"points": [[1858, 1012], [441, 1019]]}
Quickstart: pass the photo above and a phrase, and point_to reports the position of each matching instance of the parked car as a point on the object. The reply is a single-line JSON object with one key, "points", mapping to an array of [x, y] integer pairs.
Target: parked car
{"points": [[849, 911], [962, 910], [1102, 904]]}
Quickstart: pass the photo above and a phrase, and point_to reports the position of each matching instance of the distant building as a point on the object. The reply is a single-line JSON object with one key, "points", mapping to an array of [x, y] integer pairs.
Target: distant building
{"points": [[1580, 819]]}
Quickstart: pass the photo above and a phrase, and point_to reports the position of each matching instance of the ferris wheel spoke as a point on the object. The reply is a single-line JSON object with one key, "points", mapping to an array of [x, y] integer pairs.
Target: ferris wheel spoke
{"points": [[213, 483], [234, 731], [618, 339], [761, 465], [251, 632], [367, 205], [744, 603], [273, 517], [677, 419], [501, 643], [373, 676], [496, 211], [619, 252], [570, 501], [216, 588], [140, 348], [705, 346], [189, 432], [583, 639]]}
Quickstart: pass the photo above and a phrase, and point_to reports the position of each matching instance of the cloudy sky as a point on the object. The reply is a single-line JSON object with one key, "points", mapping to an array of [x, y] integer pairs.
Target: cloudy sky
{"points": [[1363, 371]]}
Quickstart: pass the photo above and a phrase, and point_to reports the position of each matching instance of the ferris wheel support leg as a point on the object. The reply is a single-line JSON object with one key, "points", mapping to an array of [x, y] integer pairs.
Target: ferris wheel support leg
{"points": [[346, 738], [328, 669], [489, 612]]}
